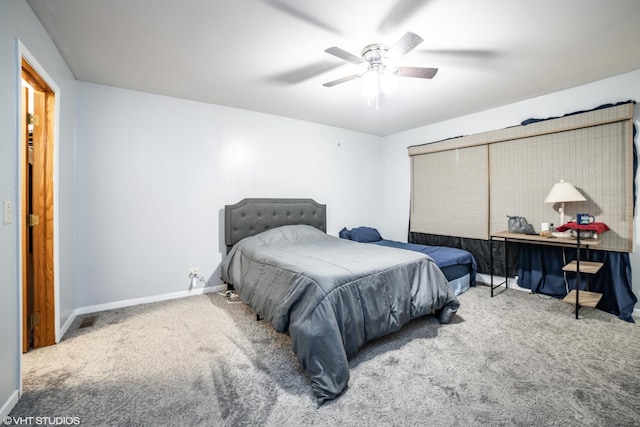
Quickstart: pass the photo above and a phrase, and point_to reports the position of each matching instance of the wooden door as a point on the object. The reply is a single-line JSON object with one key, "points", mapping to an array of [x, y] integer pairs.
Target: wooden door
{"points": [[37, 204]]}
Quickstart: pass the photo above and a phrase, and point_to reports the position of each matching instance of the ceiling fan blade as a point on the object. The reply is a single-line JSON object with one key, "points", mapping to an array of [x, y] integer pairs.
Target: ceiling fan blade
{"points": [[303, 73], [343, 54], [406, 43], [342, 80], [297, 12], [423, 73], [399, 13]]}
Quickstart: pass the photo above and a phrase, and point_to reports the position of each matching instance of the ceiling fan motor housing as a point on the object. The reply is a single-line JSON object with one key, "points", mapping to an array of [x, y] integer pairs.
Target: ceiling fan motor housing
{"points": [[375, 55]]}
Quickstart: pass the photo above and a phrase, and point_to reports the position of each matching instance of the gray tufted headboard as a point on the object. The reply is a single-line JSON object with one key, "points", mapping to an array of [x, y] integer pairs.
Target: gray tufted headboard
{"points": [[253, 216]]}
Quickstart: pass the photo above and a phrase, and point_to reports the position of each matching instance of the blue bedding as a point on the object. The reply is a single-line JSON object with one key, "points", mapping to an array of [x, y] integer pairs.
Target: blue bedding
{"points": [[453, 262]]}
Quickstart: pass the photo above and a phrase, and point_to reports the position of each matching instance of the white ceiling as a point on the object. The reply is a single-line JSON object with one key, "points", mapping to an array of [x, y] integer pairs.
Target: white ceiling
{"points": [[268, 55]]}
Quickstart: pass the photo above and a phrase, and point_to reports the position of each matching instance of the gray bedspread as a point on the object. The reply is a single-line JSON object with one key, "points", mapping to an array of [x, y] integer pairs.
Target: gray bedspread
{"points": [[333, 295]]}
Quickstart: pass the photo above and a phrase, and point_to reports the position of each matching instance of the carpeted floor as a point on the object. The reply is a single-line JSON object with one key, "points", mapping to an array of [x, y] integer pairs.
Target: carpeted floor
{"points": [[515, 359]]}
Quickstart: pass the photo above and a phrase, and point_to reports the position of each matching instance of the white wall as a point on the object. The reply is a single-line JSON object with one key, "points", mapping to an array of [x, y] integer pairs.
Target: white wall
{"points": [[154, 174], [396, 169], [140, 198], [17, 22]]}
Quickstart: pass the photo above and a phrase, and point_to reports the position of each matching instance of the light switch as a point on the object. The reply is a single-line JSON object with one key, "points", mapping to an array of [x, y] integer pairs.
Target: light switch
{"points": [[7, 208]]}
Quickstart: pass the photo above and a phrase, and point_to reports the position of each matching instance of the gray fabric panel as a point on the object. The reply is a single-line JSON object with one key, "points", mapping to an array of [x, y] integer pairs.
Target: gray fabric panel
{"points": [[255, 215]]}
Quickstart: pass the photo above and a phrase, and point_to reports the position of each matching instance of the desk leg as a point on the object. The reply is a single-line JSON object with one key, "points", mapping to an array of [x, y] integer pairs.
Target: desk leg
{"points": [[588, 281], [491, 263], [506, 266], [491, 266], [578, 274]]}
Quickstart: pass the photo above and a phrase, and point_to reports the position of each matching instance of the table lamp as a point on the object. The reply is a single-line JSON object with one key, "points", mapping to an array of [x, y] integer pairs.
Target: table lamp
{"points": [[564, 192]]}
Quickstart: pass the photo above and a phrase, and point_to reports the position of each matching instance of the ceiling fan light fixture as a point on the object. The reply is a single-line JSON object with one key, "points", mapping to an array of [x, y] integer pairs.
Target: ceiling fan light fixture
{"points": [[371, 84], [376, 83]]}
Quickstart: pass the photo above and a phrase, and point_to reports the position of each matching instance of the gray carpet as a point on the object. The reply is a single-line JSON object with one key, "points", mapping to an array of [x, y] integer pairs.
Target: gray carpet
{"points": [[515, 359]]}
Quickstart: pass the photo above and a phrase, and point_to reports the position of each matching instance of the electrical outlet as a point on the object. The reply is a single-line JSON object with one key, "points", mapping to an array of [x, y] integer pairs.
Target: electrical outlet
{"points": [[7, 208], [193, 272]]}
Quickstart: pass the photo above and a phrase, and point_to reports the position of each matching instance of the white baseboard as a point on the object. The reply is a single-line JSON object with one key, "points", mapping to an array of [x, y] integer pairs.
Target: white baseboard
{"points": [[136, 301], [9, 404], [67, 324]]}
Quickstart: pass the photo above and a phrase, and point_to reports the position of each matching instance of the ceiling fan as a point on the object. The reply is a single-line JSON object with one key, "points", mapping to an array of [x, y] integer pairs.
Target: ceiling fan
{"points": [[378, 62]]}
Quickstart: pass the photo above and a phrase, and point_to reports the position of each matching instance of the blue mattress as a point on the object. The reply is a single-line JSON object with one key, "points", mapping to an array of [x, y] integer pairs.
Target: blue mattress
{"points": [[453, 262]]}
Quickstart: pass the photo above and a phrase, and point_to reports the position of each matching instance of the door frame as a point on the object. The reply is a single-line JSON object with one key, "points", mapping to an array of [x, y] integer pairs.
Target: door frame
{"points": [[22, 53]]}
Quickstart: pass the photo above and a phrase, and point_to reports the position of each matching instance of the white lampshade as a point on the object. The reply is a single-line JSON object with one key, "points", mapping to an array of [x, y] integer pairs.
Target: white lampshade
{"points": [[564, 192]]}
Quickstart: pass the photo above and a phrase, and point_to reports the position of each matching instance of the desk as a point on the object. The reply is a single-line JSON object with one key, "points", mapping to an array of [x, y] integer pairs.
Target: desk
{"points": [[576, 266]]}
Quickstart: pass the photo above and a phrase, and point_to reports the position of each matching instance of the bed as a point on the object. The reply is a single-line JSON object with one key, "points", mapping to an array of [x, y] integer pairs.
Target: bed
{"points": [[329, 294], [459, 266]]}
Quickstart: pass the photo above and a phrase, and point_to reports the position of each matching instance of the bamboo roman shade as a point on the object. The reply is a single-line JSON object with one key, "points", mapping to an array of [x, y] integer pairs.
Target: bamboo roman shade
{"points": [[466, 187], [450, 192]]}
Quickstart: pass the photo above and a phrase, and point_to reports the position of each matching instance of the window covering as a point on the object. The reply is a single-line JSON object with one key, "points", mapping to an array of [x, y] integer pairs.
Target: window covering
{"points": [[466, 186]]}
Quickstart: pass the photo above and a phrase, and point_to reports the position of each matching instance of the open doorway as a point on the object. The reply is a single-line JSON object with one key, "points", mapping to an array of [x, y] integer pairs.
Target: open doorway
{"points": [[37, 208]]}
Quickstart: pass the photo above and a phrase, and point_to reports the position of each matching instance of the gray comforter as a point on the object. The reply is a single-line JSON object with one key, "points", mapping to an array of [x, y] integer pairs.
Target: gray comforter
{"points": [[333, 295]]}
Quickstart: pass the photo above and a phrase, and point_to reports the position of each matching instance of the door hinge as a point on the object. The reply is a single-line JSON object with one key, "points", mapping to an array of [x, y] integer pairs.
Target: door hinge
{"points": [[32, 220], [34, 320], [33, 119]]}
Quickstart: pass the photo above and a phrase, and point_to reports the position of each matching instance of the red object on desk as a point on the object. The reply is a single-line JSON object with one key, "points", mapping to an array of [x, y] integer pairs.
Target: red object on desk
{"points": [[598, 227]]}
